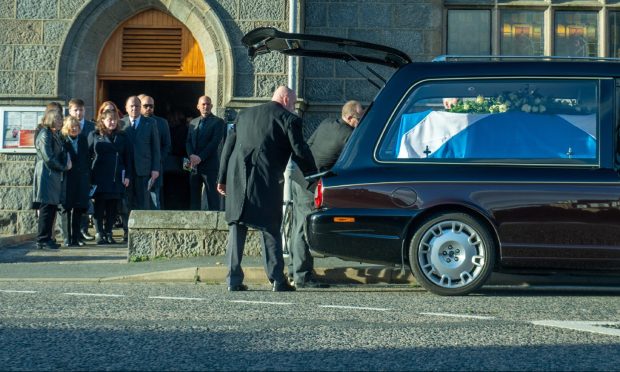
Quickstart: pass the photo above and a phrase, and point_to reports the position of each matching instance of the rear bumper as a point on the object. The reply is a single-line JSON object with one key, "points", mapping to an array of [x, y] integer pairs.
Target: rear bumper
{"points": [[375, 236]]}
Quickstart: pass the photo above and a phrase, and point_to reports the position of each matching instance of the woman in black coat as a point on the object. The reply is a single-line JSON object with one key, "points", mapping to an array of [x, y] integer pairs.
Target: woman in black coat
{"points": [[50, 167], [111, 156], [76, 182]]}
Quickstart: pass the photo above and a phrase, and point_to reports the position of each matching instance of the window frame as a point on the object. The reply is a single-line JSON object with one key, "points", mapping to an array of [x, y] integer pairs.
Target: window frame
{"points": [[602, 10], [566, 163]]}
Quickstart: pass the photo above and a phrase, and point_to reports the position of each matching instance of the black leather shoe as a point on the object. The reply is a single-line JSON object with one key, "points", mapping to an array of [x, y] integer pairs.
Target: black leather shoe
{"points": [[51, 246], [238, 288], [110, 239], [78, 243], [312, 284], [283, 287], [87, 236]]}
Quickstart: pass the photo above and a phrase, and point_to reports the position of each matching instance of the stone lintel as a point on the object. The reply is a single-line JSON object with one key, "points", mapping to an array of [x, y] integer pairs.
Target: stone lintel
{"points": [[174, 220]]}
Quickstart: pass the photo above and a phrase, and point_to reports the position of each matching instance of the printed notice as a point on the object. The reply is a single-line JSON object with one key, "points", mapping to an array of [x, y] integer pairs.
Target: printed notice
{"points": [[18, 125]]}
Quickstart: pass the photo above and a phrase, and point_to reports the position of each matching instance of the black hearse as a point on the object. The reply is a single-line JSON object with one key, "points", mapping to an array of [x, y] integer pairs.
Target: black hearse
{"points": [[464, 166]]}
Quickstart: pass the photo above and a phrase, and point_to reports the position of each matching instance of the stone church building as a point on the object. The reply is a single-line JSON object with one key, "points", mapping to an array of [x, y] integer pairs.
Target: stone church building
{"points": [[177, 50]]}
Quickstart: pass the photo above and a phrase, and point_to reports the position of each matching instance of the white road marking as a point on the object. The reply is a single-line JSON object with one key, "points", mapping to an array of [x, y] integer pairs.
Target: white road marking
{"points": [[94, 294], [15, 291], [459, 315], [355, 307], [177, 298], [592, 327], [261, 302]]}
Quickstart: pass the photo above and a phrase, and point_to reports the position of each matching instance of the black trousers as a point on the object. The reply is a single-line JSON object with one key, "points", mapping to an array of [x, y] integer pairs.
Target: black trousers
{"points": [[204, 198], [301, 264], [47, 215], [90, 210], [70, 223], [271, 243], [137, 193], [105, 214]]}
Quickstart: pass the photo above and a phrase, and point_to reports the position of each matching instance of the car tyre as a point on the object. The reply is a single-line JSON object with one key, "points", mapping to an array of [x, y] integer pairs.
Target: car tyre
{"points": [[452, 254]]}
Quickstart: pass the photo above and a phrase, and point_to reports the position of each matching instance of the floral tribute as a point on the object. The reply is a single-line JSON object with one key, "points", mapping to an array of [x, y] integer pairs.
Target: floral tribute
{"points": [[524, 100]]}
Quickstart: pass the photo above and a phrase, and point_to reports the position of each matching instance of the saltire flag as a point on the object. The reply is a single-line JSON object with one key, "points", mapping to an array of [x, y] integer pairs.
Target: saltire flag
{"points": [[440, 134]]}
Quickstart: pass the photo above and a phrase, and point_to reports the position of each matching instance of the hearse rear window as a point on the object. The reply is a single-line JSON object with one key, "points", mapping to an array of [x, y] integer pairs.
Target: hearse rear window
{"points": [[538, 121]]}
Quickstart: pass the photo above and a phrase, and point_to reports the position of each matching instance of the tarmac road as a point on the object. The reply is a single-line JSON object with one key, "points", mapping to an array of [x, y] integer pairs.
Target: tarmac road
{"points": [[158, 326]]}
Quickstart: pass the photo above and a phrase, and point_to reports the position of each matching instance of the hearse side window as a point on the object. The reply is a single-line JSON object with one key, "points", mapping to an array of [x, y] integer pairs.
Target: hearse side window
{"points": [[538, 121]]}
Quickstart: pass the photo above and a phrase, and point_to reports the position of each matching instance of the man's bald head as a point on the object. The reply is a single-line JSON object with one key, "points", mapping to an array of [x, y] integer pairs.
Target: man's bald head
{"points": [[352, 112], [286, 97], [148, 105], [132, 106]]}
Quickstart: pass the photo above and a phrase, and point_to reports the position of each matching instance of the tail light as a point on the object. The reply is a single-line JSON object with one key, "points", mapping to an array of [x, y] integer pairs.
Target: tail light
{"points": [[318, 194]]}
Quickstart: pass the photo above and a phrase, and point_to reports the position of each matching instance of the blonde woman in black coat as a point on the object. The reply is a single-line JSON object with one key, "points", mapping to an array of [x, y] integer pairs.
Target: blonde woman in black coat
{"points": [[111, 158], [51, 164], [77, 182]]}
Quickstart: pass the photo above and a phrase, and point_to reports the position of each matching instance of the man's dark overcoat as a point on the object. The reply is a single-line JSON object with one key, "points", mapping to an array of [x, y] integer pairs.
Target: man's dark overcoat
{"points": [[77, 179], [253, 161]]}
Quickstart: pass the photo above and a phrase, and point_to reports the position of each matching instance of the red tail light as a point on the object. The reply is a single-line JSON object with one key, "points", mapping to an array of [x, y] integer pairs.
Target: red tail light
{"points": [[318, 194]]}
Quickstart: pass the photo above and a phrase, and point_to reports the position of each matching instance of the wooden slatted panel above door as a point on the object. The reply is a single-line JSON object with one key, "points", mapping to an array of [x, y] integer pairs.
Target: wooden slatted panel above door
{"points": [[152, 45], [152, 48]]}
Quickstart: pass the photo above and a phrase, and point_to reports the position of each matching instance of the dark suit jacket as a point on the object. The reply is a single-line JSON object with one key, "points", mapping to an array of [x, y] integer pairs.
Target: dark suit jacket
{"points": [[206, 142], [165, 142], [327, 142], [145, 144], [89, 126], [253, 161]]}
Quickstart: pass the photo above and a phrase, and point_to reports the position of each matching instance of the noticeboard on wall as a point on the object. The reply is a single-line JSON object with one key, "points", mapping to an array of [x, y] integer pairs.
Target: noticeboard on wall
{"points": [[17, 127]]}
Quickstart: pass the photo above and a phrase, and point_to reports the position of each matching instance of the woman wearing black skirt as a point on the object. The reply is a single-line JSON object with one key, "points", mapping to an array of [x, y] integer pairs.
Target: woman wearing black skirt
{"points": [[111, 155]]}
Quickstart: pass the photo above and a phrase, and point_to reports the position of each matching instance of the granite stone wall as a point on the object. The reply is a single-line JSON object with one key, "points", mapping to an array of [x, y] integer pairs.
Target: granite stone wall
{"points": [[16, 217], [412, 26], [159, 234]]}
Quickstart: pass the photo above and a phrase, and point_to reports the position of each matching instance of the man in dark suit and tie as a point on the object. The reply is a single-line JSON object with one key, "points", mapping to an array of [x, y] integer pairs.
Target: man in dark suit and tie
{"points": [[148, 110], [144, 138], [251, 176], [204, 137], [76, 109]]}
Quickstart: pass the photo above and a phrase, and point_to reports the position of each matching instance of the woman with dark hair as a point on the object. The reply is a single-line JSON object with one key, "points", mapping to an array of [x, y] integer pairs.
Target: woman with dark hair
{"points": [[51, 164], [111, 155], [76, 182]]}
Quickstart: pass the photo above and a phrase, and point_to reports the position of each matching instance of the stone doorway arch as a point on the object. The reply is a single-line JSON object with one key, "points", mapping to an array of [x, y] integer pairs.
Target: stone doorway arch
{"points": [[97, 20]]}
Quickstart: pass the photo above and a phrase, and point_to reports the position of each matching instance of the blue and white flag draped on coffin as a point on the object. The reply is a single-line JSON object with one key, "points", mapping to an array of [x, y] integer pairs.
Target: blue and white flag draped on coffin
{"points": [[440, 134]]}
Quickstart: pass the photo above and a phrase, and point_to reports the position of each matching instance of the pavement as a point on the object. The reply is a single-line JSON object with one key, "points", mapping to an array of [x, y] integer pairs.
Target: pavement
{"points": [[20, 260]]}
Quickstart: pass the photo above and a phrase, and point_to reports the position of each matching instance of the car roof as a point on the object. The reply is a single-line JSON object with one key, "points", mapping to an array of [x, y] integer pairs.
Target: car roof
{"points": [[520, 68]]}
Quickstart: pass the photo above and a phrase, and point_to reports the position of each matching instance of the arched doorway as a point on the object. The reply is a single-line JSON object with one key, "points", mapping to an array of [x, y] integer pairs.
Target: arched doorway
{"points": [[155, 54]]}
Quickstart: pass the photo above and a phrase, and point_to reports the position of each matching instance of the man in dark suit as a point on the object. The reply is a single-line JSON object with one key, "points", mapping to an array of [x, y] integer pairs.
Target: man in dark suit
{"points": [[326, 144], [148, 110], [76, 109], [204, 139], [251, 173], [144, 139]]}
